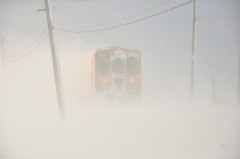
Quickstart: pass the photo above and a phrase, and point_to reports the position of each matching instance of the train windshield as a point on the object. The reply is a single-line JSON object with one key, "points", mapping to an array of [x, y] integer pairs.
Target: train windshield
{"points": [[103, 62], [118, 65], [133, 63]]}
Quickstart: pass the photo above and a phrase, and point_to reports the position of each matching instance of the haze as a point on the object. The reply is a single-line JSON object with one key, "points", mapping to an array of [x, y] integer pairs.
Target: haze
{"points": [[165, 122]]}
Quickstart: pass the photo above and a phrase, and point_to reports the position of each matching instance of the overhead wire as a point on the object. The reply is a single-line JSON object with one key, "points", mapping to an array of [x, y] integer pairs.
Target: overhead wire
{"points": [[28, 53], [27, 47], [124, 24], [127, 16], [58, 1], [96, 30], [30, 44]]}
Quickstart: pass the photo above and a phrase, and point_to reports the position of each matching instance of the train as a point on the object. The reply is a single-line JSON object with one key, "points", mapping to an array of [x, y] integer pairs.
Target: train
{"points": [[113, 72]]}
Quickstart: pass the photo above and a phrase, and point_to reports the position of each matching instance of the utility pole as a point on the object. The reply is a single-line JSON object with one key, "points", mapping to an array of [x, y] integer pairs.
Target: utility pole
{"points": [[56, 63], [238, 95], [193, 49], [2, 74], [213, 89], [3, 56]]}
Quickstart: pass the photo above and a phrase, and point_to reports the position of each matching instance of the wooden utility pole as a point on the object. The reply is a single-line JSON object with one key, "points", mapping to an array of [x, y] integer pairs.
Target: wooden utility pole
{"points": [[238, 93], [213, 89], [193, 49], [56, 63], [3, 56], [2, 74]]}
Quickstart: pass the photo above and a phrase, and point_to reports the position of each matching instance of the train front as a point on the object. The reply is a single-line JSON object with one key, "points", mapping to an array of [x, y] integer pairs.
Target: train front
{"points": [[118, 72]]}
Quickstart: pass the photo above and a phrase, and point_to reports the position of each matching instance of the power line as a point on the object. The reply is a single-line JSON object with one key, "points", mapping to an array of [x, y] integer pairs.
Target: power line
{"points": [[128, 16], [30, 44], [58, 1], [28, 53], [20, 1], [124, 24]]}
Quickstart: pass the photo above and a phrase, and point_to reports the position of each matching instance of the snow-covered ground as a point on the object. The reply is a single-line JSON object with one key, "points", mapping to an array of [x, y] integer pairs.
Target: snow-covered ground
{"points": [[161, 125], [115, 129]]}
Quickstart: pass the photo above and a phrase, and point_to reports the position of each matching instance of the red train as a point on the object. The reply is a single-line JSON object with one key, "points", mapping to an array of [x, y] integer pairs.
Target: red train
{"points": [[115, 72]]}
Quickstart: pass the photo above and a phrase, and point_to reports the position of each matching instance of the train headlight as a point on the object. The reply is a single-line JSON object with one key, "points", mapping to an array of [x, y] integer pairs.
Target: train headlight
{"points": [[102, 80], [133, 80]]}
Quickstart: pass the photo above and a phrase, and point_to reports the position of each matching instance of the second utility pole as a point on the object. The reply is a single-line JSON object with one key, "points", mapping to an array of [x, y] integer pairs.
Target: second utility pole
{"points": [[3, 57], [56, 64], [238, 91], [193, 49]]}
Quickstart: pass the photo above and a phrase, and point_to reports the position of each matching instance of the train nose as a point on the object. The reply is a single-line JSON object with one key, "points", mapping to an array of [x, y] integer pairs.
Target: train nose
{"points": [[118, 82]]}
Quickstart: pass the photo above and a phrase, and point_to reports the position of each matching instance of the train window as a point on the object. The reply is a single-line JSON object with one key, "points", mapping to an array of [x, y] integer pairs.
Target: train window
{"points": [[133, 64], [102, 62], [118, 66]]}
